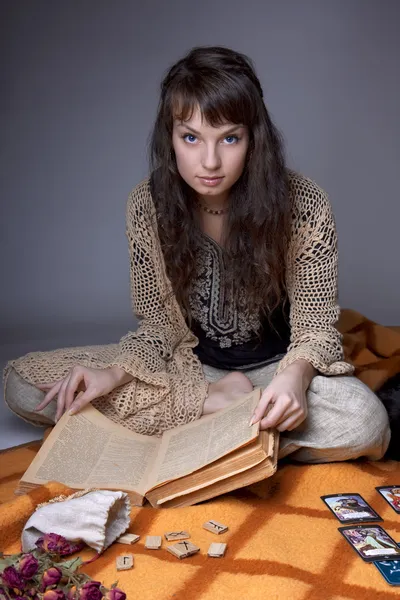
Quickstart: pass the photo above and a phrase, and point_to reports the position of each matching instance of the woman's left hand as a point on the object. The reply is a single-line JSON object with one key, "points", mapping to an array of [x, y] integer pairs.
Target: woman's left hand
{"points": [[285, 398]]}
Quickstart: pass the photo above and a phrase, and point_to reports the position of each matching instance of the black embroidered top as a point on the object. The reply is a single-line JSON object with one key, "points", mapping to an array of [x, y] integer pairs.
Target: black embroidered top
{"points": [[230, 336]]}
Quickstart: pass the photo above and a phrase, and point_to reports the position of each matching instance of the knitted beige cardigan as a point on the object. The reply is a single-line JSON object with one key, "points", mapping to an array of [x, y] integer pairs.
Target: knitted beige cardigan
{"points": [[169, 388]]}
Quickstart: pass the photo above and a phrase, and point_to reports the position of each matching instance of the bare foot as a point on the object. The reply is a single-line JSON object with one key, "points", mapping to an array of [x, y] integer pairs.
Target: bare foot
{"points": [[224, 391]]}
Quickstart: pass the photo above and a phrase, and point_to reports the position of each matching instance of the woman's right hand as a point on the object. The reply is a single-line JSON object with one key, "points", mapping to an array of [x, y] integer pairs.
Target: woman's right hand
{"points": [[80, 386]]}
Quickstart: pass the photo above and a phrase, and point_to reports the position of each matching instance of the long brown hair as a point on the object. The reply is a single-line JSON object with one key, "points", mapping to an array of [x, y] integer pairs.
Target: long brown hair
{"points": [[223, 84]]}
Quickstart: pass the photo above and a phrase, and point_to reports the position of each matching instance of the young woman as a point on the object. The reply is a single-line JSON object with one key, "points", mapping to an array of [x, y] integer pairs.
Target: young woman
{"points": [[234, 281]]}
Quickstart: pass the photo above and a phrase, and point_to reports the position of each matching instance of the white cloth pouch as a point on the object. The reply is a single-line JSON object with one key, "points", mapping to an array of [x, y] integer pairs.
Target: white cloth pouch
{"points": [[97, 518]]}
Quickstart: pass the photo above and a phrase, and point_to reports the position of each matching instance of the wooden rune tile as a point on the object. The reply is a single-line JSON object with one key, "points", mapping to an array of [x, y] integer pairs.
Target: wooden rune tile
{"points": [[153, 542], [216, 550], [124, 562], [215, 527], [128, 538], [177, 535], [183, 549]]}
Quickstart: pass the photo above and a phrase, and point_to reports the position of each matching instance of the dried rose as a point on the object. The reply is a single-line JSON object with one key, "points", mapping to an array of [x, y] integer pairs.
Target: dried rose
{"points": [[90, 591], [50, 577], [57, 544], [12, 578], [29, 595], [54, 595], [28, 566], [115, 594], [72, 593]]}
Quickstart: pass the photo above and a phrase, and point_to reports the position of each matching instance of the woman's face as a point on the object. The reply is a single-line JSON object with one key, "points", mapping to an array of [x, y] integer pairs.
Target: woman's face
{"points": [[210, 159]]}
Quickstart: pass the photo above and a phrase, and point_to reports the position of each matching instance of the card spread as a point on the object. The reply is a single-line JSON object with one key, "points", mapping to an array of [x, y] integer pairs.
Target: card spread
{"points": [[391, 493], [371, 542], [350, 508], [390, 570]]}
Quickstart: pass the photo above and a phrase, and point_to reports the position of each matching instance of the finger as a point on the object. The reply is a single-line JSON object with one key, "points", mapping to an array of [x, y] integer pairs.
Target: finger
{"points": [[261, 408], [291, 422], [287, 424], [278, 413], [300, 419], [45, 386], [49, 396], [77, 377], [61, 399], [82, 399]]}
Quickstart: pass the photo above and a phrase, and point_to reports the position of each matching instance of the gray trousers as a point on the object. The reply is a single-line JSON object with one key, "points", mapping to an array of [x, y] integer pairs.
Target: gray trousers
{"points": [[346, 420]]}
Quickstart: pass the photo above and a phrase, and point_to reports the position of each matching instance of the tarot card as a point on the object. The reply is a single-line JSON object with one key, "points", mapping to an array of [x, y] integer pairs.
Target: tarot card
{"points": [[372, 543], [350, 508], [391, 493], [390, 570]]}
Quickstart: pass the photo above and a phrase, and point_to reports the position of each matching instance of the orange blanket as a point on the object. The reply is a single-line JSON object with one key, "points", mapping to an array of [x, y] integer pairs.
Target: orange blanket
{"points": [[282, 541], [374, 349]]}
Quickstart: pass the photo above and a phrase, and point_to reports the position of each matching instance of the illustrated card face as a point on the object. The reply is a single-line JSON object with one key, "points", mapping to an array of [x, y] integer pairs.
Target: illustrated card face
{"points": [[391, 493], [351, 508], [372, 543]]}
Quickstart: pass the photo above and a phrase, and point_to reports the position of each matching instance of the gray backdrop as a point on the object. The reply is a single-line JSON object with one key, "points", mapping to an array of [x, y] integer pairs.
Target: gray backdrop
{"points": [[80, 84]]}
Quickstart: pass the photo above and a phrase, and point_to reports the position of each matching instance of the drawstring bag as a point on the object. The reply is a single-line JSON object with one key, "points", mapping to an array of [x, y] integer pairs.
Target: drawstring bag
{"points": [[94, 517]]}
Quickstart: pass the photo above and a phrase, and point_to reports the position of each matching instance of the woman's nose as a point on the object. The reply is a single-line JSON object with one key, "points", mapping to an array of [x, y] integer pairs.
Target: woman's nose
{"points": [[211, 159]]}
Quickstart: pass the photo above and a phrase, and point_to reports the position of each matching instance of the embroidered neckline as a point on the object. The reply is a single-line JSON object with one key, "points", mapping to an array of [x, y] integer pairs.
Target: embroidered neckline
{"points": [[211, 299]]}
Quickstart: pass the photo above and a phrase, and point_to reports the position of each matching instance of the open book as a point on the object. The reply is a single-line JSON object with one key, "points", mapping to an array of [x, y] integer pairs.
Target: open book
{"points": [[202, 459]]}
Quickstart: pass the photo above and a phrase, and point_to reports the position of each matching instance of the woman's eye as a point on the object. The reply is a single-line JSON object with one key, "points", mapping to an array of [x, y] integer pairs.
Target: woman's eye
{"points": [[232, 139], [189, 138]]}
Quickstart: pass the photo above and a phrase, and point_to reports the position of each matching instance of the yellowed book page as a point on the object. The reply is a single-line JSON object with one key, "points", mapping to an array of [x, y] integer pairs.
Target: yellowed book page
{"points": [[194, 488], [90, 450], [190, 447], [272, 441], [237, 462], [261, 471]]}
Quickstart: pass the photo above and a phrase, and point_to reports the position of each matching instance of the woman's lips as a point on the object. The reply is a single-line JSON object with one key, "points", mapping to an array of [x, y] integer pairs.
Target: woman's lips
{"points": [[211, 181]]}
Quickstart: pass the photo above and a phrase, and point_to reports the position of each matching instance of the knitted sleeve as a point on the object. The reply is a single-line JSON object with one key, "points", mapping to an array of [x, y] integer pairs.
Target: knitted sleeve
{"points": [[169, 387], [160, 328], [312, 282]]}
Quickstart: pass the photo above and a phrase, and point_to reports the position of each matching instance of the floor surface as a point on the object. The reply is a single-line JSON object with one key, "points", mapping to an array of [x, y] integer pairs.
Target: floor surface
{"points": [[13, 430]]}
